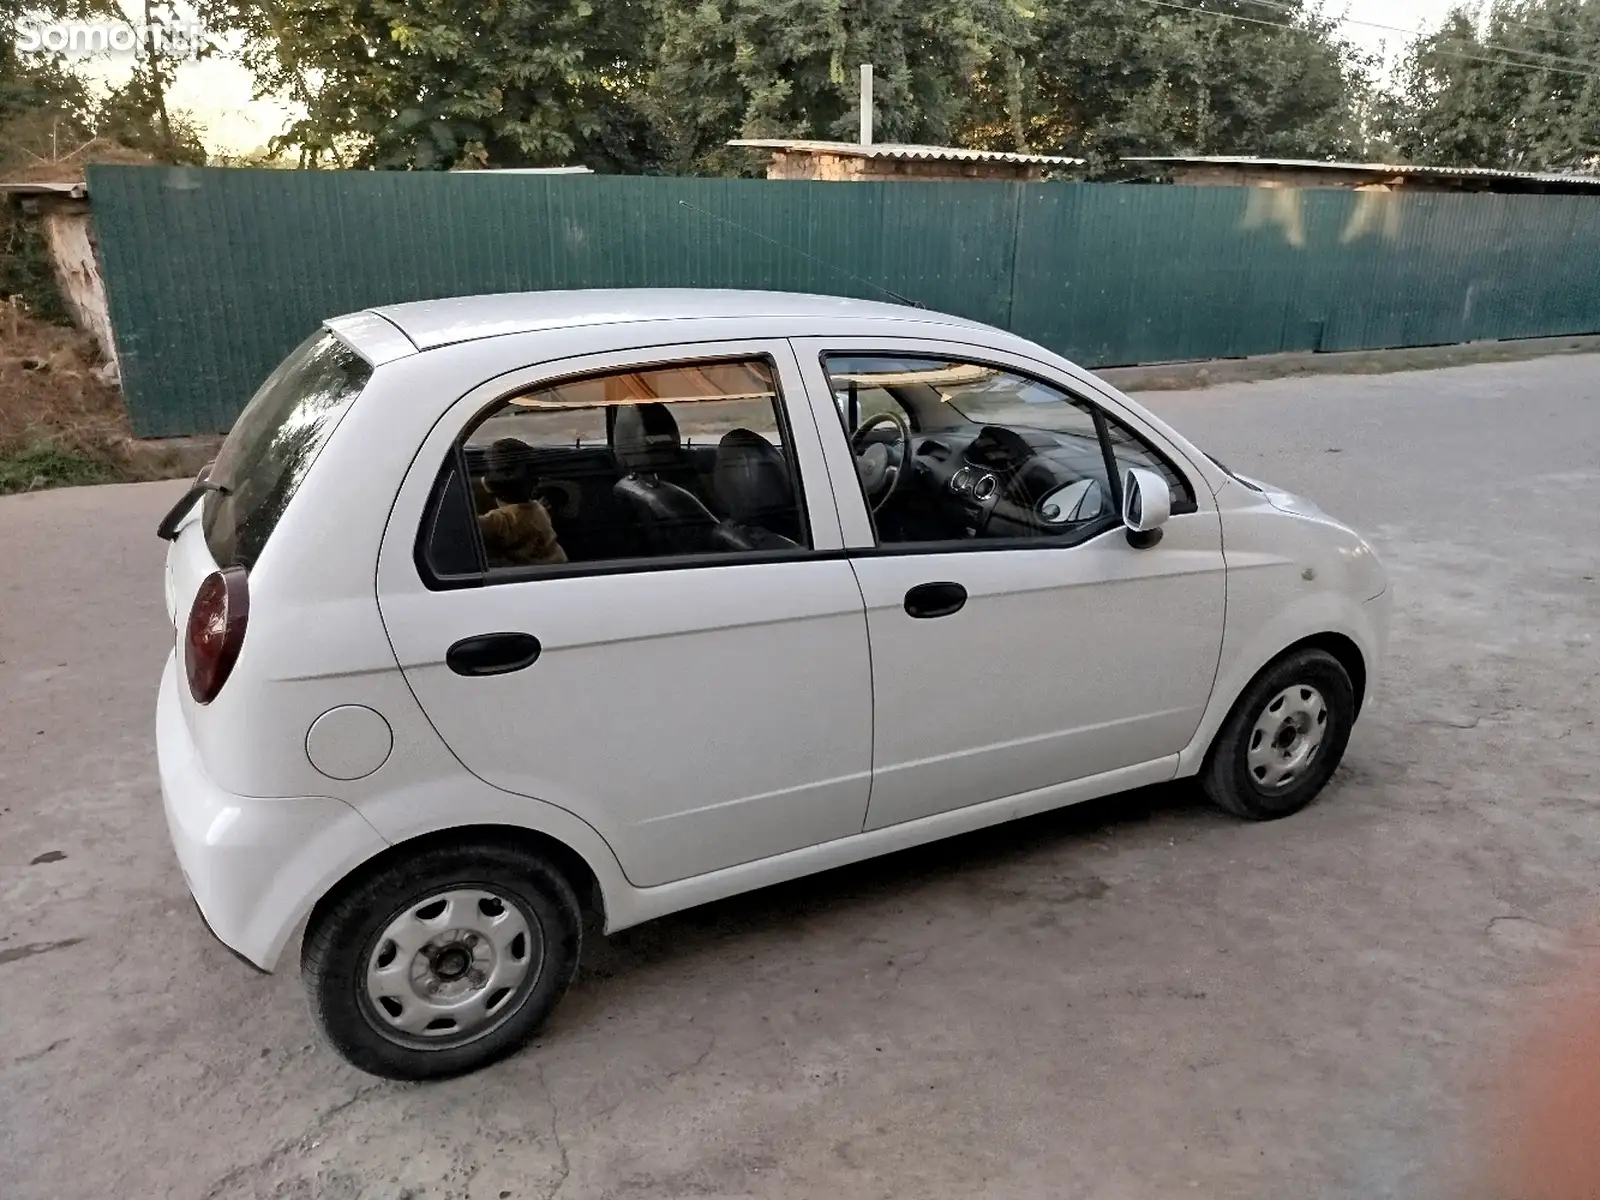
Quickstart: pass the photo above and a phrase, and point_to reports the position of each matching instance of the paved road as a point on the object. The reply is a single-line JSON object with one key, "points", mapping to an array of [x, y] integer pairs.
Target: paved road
{"points": [[1137, 998]]}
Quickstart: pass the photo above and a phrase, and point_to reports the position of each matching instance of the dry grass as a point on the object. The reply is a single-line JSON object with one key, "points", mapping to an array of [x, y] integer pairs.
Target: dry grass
{"points": [[40, 156], [59, 423]]}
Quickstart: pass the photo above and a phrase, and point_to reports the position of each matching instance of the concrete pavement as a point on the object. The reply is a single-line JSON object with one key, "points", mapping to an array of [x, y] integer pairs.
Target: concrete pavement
{"points": [[1137, 998]]}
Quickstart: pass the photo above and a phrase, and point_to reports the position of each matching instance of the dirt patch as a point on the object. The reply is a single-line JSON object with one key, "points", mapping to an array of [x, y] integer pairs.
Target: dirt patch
{"points": [[60, 422]]}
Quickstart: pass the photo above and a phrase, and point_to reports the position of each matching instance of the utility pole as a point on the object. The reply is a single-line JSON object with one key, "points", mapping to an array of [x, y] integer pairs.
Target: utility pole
{"points": [[866, 104]]}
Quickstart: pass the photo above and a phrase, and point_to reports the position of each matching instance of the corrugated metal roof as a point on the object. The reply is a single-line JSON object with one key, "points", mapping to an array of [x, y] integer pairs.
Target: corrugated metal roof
{"points": [[905, 153], [74, 191], [1311, 164], [523, 171]]}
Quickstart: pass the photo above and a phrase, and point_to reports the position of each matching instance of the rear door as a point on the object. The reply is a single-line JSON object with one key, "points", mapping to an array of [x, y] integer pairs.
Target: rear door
{"points": [[700, 701]]}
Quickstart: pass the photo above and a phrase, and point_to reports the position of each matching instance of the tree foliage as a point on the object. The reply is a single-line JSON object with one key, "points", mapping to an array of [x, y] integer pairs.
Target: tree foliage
{"points": [[642, 86], [1102, 78], [1520, 90], [443, 83], [789, 69], [47, 109], [136, 115], [37, 89]]}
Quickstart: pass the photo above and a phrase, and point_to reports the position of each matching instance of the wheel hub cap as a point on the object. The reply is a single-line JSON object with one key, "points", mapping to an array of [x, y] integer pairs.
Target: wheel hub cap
{"points": [[452, 968], [1286, 737], [452, 962]]}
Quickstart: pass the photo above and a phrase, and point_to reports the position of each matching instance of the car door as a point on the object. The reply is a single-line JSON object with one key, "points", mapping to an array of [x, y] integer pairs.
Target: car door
{"points": [[1019, 641], [692, 683]]}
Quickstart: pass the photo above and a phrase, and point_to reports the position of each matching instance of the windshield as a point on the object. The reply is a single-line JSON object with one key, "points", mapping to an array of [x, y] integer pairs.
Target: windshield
{"points": [[943, 394], [274, 442]]}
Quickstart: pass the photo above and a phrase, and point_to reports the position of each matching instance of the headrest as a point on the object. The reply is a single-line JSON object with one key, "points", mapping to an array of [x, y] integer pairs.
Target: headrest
{"points": [[751, 478], [645, 438]]}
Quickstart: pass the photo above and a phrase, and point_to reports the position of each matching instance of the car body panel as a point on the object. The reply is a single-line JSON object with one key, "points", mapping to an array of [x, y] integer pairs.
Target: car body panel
{"points": [[698, 717], [1033, 682], [730, 718], [254, 867], [430, 324], [1065, 662], [1292, 575], [375, 338]]}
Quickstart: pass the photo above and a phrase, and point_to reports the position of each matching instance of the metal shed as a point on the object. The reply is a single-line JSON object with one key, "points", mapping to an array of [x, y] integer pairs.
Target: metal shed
{"points": [[853, 161], [1226, 170]]}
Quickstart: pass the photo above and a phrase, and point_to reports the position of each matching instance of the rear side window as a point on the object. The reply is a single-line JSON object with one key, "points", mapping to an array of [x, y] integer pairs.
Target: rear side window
{"points": [[274, 442], [682, 461]]}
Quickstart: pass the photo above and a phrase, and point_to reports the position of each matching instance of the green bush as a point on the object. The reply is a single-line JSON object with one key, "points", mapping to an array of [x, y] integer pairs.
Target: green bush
{"points": [[44, 464], [25, 266]]}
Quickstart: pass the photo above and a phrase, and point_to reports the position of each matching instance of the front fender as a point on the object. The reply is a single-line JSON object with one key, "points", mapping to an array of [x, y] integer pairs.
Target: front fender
{"points": [[1250, 644]]}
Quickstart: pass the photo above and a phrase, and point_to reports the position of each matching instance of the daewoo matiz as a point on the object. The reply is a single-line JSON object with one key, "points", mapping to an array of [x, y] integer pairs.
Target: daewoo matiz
{"points": [[500, 612]]}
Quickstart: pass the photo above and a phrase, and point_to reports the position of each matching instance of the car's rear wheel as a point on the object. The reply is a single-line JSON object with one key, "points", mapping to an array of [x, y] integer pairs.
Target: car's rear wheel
{"points": [[440, 962], [1283, 739]]}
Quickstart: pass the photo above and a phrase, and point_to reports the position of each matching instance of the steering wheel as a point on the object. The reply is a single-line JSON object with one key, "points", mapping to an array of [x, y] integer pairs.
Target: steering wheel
{"points": [[881, 475]]}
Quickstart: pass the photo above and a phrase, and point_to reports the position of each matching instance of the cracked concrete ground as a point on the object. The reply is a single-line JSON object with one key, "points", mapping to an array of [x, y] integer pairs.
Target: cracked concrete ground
{"points": [[1136, 998]]}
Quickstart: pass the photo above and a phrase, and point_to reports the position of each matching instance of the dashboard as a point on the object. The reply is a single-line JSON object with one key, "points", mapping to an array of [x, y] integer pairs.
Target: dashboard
{"points": [[1004, 481], [997, 449]]}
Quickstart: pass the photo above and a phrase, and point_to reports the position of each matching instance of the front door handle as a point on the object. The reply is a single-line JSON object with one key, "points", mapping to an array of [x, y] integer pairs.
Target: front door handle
{"points": [[935, 600], [493, 654]]}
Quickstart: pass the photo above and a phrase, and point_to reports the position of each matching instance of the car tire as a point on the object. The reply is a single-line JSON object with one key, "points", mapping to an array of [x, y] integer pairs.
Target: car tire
{"points": [[1259, 767], [372, 981]]}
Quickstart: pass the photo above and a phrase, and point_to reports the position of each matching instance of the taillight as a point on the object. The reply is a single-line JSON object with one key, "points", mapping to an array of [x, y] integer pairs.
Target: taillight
{"points": [[216, 630]]}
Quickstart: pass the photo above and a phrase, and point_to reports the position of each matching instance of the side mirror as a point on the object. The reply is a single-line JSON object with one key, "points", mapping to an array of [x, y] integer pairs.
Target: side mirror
{"points": [[1146, 505]]}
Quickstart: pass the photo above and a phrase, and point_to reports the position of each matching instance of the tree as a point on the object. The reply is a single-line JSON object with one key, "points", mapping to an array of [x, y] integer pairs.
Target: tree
{"points": [[444, 83], [47, 110], [136, 114], [1103, 78], [45, 114], [43, 102], [789, 68], [1521, 91], [642, 85]]}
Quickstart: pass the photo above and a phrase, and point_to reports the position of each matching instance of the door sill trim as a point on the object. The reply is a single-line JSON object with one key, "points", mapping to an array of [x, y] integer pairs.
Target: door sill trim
{"points": [[645, 904]]}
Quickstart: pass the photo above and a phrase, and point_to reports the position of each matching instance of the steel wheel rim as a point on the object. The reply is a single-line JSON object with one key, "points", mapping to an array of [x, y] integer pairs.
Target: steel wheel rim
{"points": [[1286, 738], [451, 968]]}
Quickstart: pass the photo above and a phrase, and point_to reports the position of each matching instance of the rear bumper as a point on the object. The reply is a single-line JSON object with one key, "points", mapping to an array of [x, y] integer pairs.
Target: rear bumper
{"points": [[254, 866]]}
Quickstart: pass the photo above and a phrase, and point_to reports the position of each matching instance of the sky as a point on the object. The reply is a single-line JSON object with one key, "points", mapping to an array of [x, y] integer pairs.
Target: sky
{"points": [[217, 91]]}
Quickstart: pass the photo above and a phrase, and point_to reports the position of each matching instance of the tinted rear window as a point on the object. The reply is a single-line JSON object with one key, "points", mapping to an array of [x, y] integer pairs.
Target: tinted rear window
{"points": [[275, 441]]}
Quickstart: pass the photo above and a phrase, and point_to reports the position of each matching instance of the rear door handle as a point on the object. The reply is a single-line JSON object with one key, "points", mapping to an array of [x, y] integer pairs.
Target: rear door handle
{"points": [[928, 600], [493, 654]]}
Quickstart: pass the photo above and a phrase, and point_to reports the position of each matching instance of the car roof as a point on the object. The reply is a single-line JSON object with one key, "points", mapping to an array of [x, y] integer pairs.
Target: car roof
{"points": [[433, 323]]}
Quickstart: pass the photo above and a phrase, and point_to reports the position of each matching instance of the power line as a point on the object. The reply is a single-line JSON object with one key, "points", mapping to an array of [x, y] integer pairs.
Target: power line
{"points": [[1504, 62], [1541, 28], [1543, 59], [1294, 8]]}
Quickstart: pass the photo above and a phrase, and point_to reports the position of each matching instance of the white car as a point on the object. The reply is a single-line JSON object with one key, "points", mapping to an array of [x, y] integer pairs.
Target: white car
{"points": [[500, 612]]}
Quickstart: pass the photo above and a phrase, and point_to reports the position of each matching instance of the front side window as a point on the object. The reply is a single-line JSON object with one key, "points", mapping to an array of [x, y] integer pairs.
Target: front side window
{"points": [[954, 451], [1130, 450], [662, 462], [272, 445]]}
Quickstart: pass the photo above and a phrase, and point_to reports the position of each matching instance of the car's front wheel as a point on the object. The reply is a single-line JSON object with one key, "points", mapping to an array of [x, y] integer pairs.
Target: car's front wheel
{"points": [[1283, 739], [442, 961]]}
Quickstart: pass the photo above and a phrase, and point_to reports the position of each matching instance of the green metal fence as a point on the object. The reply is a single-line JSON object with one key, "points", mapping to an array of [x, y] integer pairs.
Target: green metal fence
{"points": [[214, 274]]}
